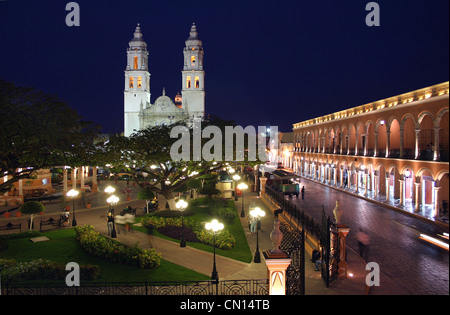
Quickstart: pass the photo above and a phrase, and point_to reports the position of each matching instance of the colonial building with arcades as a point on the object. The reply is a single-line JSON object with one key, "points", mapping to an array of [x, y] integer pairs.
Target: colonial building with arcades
{"points": [[395, 150]]}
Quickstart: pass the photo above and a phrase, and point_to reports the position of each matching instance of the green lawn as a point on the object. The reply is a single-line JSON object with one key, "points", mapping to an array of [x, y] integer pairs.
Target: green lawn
{"points": [[239, 252], [64, 248]]}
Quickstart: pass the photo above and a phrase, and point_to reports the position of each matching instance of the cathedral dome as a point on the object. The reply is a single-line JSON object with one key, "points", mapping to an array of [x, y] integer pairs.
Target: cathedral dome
{"points": [[193, 41], [138, 41]]}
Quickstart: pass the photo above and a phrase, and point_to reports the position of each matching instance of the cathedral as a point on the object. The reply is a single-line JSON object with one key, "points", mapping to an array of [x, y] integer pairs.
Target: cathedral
{"points": [[139, 113]]}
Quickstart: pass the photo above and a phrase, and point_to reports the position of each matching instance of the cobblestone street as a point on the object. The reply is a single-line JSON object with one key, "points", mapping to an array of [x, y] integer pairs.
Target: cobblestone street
{"points": [[418, 267]]}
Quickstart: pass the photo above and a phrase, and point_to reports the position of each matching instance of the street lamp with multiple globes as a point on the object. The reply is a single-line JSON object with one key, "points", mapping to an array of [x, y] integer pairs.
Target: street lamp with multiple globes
{"points": [[257, 213], [181, 205], [236, 178], [214, 226], [242, 187], [112, 201], [109, 190], [72, 194]]}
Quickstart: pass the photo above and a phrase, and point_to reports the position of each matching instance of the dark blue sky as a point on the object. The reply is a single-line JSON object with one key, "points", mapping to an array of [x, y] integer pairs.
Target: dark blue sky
{"points": [[266, 62]]}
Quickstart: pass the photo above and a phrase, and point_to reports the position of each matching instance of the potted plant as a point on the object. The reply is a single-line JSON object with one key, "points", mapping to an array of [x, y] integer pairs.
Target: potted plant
{"points": [[6, 214], [88, 204], [18, 213]]}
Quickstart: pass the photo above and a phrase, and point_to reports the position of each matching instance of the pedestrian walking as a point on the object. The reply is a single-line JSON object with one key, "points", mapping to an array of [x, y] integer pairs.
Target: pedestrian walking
{"points": [[303, 192], [253, 223], [120, 224], [129, 220], [363, 243]]}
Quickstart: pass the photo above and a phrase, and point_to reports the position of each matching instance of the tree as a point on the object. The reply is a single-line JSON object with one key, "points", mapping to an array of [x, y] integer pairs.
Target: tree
{"points": [[39, 131], [146, 157], [146, 195], [32, 208]]}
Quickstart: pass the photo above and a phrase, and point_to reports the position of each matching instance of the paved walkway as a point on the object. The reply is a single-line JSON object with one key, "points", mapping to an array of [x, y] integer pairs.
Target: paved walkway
{"points": [[200, 261]]}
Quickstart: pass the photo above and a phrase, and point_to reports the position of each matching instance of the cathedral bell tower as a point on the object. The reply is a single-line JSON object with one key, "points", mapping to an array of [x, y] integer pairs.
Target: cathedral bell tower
{"points": [[193, 76], [137, 82]]}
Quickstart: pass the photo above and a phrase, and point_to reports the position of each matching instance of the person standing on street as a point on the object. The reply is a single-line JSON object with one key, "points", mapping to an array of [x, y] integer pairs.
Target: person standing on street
{"points": [[303, 192], [110, 222], [363, 243]]}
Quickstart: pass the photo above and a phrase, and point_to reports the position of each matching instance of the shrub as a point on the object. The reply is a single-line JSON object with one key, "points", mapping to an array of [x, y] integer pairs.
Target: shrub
{"points": [[172, 228], [114, 251], [42, 269], [224, 240], [174, 213]]}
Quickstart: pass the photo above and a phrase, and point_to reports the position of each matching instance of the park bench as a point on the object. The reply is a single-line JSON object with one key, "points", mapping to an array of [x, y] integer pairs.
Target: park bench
{"points": [[11, 226], [50, 222]]}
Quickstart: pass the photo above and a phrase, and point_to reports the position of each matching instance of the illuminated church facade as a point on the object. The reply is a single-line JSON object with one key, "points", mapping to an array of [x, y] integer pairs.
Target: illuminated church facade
{"points": [[139, 113]]}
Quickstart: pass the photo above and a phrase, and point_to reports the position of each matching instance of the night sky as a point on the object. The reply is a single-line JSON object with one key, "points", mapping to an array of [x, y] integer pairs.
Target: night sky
{"points": [[266, 62]]}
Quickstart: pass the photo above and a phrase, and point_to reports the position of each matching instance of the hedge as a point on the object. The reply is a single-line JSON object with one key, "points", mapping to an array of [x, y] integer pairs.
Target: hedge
{"points": [[13, 271], [224, 240], [114, 251]]}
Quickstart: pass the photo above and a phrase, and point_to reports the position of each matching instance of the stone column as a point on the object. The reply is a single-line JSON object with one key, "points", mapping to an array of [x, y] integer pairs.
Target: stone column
{"points": [[343, 230], [417, 197], [401, 141], [74, 178], [357, 181], [81, 171], [436, 144], [341, 179], [277, 262], [387, 188], [416, 147], [402, 192], [436, 201], [366, 179], [375, 145], [94, 179], [388, 143], [263, 181], [65, 189], [375, 184]]}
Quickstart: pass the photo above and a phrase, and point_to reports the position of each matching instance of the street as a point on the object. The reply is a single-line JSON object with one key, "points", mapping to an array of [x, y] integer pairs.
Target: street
{"points": [[415, 266]]}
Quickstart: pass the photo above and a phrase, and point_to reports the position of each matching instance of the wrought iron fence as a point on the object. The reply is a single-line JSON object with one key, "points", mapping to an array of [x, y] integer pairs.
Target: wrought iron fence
{"points": [[308, 223], [330, 250], [224, 287], [293, 243]]}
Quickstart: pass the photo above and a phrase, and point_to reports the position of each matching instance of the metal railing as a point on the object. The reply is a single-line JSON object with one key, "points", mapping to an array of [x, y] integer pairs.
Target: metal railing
{"points": [[224, 287]]}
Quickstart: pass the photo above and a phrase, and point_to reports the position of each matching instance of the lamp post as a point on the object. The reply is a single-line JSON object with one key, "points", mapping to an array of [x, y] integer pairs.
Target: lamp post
{"points": [[257, 213], [181, 205], [236, 178], [242, 187], [112, 201], [214, 226], [109, 190], [72, 194]]}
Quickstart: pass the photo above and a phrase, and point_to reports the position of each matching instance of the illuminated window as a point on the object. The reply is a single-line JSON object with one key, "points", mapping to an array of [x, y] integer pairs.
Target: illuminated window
{"points": [[139, 82], [193, 60], [131, 82], [197, 82], [135, 62], [188, 82]]}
